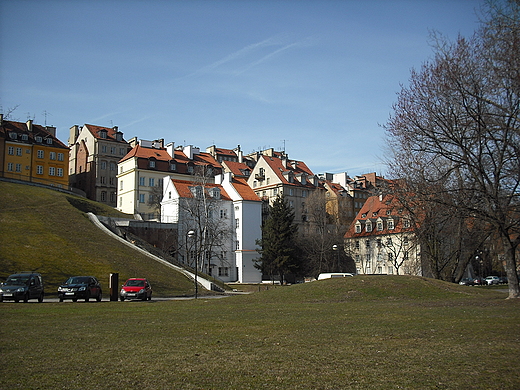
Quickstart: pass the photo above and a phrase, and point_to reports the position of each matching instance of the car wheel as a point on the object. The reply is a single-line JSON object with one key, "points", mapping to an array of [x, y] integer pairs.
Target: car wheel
{"points": [[74, 299], [17, 300], [87, 298], [40, 298], [122, 299], [1, 299], [61, 299], [150, 297], [26, 298], [99, 297]]}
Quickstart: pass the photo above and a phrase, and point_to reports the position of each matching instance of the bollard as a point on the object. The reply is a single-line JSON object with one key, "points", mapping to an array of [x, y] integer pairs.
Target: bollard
{"points": [[114, 286]]}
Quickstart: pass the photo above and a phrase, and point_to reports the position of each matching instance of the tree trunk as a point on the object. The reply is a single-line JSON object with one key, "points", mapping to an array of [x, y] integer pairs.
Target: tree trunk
{"points": [[512, 275]]}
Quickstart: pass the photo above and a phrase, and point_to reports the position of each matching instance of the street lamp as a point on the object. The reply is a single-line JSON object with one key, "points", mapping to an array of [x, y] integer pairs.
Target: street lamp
{"points": [[335, 249], [192, 234]]}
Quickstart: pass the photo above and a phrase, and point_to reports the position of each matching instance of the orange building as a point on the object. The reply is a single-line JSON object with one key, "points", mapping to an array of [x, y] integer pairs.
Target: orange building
{"points": [[33, 153]]}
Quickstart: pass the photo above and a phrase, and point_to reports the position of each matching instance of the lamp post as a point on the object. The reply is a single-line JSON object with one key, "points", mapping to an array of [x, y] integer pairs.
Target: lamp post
{"points": [[335, 249], [193, 234]]}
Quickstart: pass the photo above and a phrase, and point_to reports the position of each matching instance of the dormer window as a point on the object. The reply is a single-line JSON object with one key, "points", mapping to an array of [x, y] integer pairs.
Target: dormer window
{"points": [[379, 225], [196, 191], [358, 227], [406, 223], [390, 224], [151, 163], [215, 193], [103, 134], [49, 141], [25, 137], [368, 226], [38, 138], [13, 135]]}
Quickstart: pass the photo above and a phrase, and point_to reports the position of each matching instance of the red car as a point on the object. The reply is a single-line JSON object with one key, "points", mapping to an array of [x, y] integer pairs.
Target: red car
{"points": [[136, 288]]}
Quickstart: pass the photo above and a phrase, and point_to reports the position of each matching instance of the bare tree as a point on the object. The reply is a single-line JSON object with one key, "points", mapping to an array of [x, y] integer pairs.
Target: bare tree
{"points": [[455, 131], [205, 215]]}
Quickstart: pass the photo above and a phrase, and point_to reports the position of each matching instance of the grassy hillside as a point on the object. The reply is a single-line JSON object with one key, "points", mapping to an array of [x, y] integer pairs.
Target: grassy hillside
{"points": [[375, 332], [49, 232]]}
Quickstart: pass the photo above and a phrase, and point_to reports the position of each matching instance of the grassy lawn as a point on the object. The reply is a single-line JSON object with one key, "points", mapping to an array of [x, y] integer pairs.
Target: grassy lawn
{"points": [[353, 333]]}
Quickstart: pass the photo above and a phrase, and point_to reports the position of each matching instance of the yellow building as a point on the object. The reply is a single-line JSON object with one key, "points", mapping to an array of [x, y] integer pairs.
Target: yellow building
{"points": [[33, 153]]}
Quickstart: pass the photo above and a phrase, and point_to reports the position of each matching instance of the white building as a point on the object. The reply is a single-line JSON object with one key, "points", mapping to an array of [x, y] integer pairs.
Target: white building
{"points": [[226, 219]]}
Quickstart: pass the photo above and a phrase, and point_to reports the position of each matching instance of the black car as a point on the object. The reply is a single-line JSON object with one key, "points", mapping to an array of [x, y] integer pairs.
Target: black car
{"points": [[80, 287], [22, 286]]}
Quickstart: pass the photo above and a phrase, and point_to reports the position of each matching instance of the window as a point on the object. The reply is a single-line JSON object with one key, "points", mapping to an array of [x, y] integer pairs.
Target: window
{"points": [[141, 181], [60, 156], [40, 154], [237, 245], [378, 241], [406, 223], [237, 223], [173, 166], [151, 182], [390, 257], [52, 171], [222, 213], [291, 191], [141, 198], [121, 185], [103, 180], [52, 155], [18, 151], [389, 241], [304, 193], [25, 137], [356, 244], [39, 169], [103, 134], [18, 167], [120, 201], [368, 226], [111, 180], [60, 172], [152, 163], [190, 169], [49, 141], [358, 228], [357, 258], [103, 196], [223, 271], [112, 166], [367, 243], [379, 225], [113, 150], [10, 150], [103, 165], [390, 224], [150, 198], [38, 138], [10, 167], [121, 151]]}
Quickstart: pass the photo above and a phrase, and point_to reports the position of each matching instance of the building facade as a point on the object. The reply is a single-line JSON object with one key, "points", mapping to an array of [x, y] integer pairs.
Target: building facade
{"points": [[32, 153], [381, 240], [141, 172], [94, 154]]}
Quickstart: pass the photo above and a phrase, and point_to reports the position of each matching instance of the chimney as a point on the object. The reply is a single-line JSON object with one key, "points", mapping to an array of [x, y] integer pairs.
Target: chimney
{"points": [[1, 119], [29, 124], [51, 130], [170, 148]]}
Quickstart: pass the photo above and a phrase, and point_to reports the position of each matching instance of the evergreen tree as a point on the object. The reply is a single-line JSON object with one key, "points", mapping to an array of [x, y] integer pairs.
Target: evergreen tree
{"points": [[278, 243]]}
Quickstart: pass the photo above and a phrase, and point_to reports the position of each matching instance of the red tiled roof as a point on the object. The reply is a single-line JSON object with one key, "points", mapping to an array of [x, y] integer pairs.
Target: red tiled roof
{"points": [[111, 132], [244, 190], [374, 208], [184, 188], [236, 168], [37, 131], [297, 167]]}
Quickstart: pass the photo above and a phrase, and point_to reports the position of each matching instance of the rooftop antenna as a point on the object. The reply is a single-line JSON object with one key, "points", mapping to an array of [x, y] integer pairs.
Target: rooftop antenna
{"points": [[45, 113], [283, 146]]}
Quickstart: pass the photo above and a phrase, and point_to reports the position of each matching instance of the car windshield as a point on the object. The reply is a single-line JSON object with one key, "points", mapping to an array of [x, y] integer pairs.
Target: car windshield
{"points": [[77, 280], [18, 280], [135, 283]]}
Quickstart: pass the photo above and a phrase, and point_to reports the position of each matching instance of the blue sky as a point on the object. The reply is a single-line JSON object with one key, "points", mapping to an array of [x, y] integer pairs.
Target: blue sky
{"points": [[316, 77]]}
